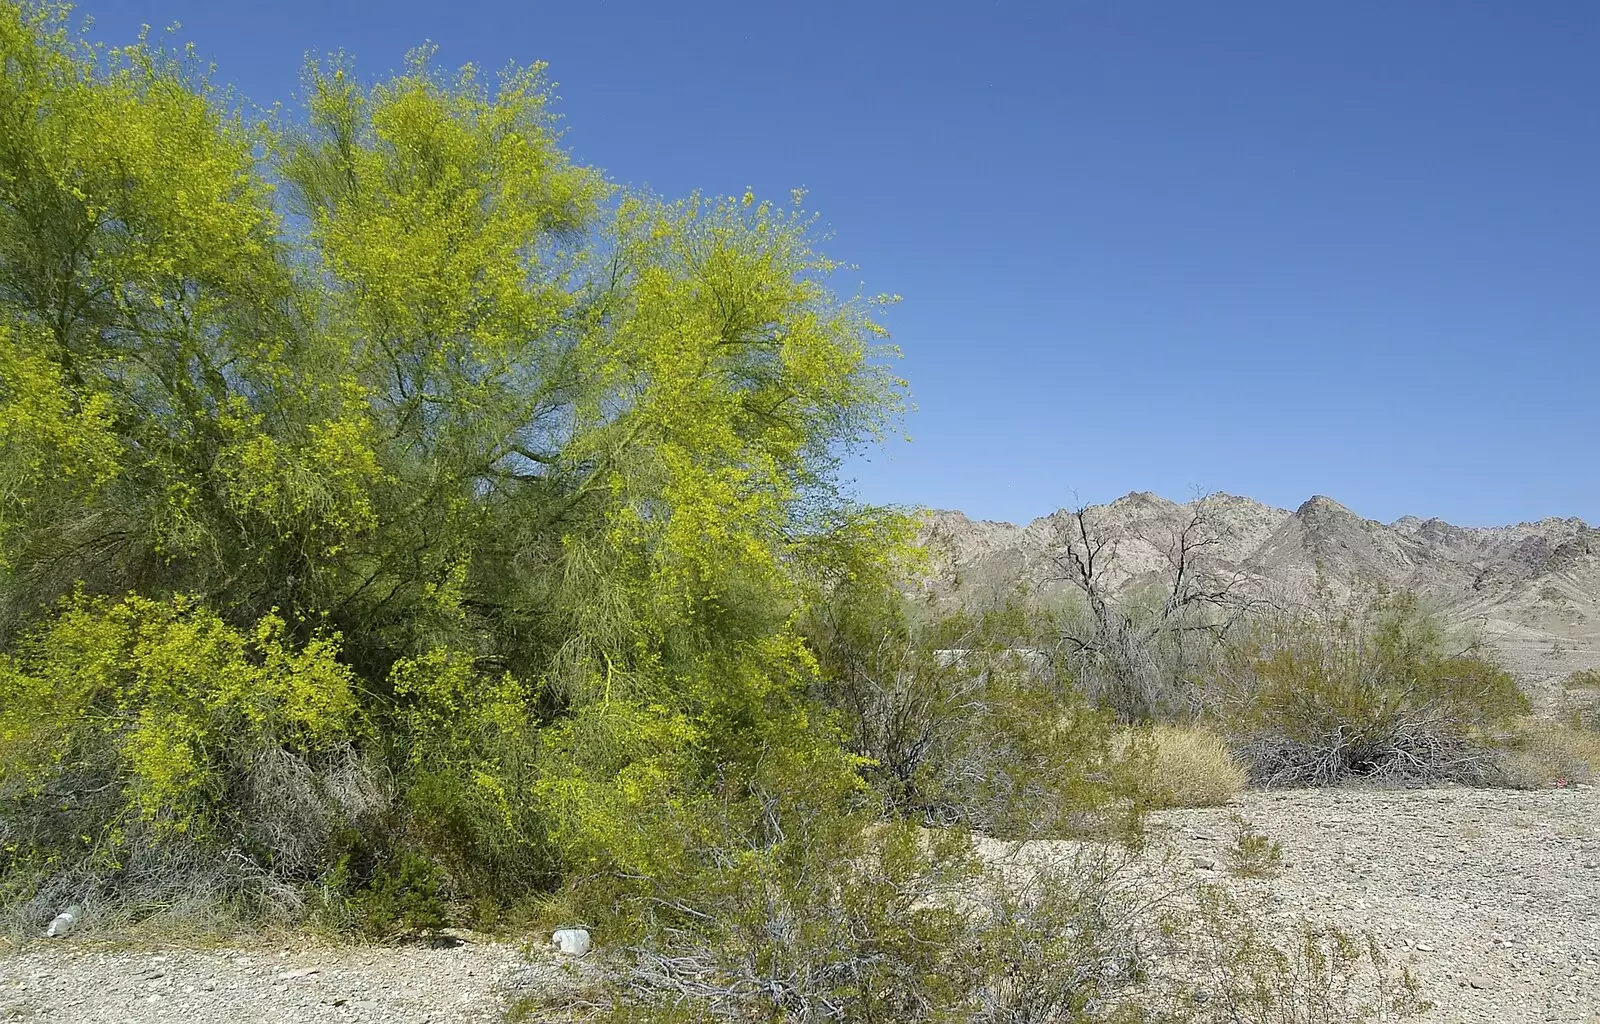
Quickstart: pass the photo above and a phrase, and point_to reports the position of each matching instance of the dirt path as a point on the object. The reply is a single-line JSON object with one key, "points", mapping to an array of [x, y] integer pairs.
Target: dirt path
{"points": [[1496, 896]]}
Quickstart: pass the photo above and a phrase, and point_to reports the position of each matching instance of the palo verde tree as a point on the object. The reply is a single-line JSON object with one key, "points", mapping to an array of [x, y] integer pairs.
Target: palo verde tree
{"points": [[537, 474]]}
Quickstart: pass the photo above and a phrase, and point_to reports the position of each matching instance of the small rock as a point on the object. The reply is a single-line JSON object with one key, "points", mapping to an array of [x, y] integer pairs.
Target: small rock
{"points": [[303, 972], [1478, 981], [1423, 947], [1205, 863]]}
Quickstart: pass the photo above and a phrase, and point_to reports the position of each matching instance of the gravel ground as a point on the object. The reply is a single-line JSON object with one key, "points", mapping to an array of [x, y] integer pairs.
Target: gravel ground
{"points": [[66, 981], [1494, 895]]}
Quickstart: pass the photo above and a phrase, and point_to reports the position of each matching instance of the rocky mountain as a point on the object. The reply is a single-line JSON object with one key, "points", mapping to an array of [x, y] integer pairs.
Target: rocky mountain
{"points": [[1532, 590]]}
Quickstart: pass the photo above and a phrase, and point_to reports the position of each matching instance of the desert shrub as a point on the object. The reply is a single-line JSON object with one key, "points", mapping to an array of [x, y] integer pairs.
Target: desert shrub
{"points": [[965, 719], [146, 748], [1190, 766], [404, 896], [1252, 854], [1136, 661], [883, 923], [895, 923], [1373, 691], [1580, 700], [1238, 973], [1538, 755]]}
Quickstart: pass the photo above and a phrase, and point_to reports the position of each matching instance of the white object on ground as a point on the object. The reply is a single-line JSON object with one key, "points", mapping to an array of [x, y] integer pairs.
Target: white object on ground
{"points": [[572, 941], [64, 922]]}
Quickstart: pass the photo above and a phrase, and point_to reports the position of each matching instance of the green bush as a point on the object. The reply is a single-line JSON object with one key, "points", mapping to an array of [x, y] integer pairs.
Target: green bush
{"points": [[966, 720], [398, 899], [1377, 691], [136, 734], [1253, 854]]}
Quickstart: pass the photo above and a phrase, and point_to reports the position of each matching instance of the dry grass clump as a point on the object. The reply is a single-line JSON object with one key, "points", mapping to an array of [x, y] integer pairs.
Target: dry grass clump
{"points": [[1191, 766], [1540, 755]]}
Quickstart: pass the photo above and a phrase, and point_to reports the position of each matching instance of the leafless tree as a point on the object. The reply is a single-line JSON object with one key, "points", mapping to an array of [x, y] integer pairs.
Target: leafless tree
{"points": [[1141, 662]]}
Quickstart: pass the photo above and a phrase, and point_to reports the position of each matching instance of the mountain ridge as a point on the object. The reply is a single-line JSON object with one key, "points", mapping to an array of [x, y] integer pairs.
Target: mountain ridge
{"points": [[1532, 589]]}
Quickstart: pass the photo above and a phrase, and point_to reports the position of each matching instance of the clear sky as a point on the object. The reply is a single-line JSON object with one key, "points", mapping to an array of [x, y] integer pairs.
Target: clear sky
{"points": [[1270, 248]]}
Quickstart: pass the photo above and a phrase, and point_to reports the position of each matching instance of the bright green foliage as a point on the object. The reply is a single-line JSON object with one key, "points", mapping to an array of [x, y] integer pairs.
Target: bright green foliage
{"points": [[177, 697], [55, 449], [530, 478], [152, 754]]}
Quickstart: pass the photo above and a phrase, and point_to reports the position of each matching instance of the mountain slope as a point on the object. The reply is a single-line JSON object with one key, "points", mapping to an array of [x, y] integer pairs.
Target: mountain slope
{"points": [[1532, 589]]}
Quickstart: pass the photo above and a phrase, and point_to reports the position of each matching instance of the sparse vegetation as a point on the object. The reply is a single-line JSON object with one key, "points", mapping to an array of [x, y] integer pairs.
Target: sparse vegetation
{"points": [[1375, 692], [1587, 679], [1252, 854], [1323, 976], [1539, 755]]}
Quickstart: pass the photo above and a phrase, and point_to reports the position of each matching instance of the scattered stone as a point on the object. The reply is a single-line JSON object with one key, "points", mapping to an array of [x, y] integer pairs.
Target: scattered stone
{"points": [[303, 972]]}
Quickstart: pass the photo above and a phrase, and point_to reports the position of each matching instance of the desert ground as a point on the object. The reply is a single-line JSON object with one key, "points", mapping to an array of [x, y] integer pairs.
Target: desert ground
{"points": [[1490, 895]]}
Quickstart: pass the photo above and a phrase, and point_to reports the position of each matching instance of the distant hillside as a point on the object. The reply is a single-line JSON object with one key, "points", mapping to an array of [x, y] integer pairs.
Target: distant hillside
{"points": [[1532, 590]]}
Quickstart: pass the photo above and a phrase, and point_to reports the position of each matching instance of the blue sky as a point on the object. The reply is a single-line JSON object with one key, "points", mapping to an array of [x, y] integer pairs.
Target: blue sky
{"points": [[1273, 249]]}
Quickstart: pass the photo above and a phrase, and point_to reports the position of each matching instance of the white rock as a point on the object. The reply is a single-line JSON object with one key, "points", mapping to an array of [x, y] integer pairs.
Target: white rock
{"points": [[572, 941]]}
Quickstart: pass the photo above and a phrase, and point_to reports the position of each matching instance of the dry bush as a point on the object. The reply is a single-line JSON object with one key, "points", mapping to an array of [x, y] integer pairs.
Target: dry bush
{"points": [[1253, 854], [1539, 755], [903, 927], [1191, 766], [1238, 974], [1377, 690]]}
